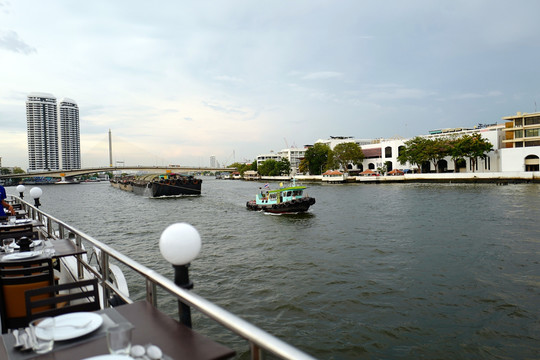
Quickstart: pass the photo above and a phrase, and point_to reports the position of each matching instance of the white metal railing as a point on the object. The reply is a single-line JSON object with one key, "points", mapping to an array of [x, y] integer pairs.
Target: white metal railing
{"points": [[259, 339]]}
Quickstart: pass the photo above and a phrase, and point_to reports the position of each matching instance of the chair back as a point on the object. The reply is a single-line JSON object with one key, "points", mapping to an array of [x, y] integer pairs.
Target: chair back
{"points": [[16, 277], [17, 232], [62, 299]]}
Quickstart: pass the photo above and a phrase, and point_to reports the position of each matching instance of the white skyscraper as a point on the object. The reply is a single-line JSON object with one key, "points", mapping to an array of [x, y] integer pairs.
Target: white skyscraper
{"points": [[42, 131], [212, 161], [70, 137]]}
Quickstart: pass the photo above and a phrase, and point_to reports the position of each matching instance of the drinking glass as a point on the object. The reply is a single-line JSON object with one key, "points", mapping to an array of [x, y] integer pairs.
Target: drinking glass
{"points": [[7, 242], [12, 220], [119, 339], [42, 332]]}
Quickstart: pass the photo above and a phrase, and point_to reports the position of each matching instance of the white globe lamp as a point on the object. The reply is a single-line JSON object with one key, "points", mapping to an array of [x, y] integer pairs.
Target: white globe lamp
{"points": [[180, 244], [36, 193], [20, 190]]}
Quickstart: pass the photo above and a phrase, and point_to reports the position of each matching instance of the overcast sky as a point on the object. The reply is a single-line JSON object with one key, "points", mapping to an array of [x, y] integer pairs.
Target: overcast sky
{"points": [[179, 81]]}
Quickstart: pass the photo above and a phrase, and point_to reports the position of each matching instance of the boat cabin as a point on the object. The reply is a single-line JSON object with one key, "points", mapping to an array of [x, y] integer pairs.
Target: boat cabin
{"points": [[280, 195]]}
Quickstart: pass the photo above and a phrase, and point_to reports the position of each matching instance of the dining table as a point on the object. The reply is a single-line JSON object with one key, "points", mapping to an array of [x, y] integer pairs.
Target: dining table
{"points": [[61, 247], [149, 325]]}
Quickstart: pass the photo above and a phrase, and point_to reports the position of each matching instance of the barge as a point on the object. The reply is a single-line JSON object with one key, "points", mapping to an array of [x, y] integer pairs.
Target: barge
{"points": [[159, 185]]}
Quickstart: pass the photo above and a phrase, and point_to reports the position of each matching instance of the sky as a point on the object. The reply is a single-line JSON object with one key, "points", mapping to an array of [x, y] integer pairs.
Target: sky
{"points": [[179, 81]]}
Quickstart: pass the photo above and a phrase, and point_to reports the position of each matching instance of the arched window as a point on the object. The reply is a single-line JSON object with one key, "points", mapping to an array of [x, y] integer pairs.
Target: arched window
{"points": [[371, 166], [388, 152], [442, 166], [532, 163], [400, 149]]}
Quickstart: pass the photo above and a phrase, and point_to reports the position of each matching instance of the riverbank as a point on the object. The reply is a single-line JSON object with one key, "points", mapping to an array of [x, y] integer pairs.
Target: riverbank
{"points": [[502, 178]]}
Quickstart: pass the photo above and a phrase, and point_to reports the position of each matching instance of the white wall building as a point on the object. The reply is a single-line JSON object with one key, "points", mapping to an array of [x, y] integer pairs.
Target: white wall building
{"points": [[294, 155], [521, 143], [271, 156], [384, 152], [42, 132], [70, 134]]}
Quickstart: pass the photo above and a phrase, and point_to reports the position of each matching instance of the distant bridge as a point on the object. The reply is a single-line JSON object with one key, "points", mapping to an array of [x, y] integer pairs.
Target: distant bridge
{"points": [[142, 168]]}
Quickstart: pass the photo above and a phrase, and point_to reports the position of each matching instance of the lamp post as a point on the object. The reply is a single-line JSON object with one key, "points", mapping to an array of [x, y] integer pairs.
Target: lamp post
{"points": [[36, 193], [20, 189], [180, 244]]}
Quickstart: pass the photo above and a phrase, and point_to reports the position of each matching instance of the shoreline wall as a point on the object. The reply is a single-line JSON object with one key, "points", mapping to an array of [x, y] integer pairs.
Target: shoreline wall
{"points": [[491, 177]]}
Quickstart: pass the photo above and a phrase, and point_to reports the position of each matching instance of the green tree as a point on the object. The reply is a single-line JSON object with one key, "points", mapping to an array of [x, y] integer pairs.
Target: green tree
{"points": [[474, 146], [347, 153], [415, 152], [455, 151], [241, 167], [253, 165], [284, 166], [436, 150], [316, 159], [269, 167]]}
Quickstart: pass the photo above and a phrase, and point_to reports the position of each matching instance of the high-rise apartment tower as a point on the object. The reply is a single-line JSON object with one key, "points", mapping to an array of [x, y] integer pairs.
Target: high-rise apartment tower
{"points": [[70, 135], [42, 131]]}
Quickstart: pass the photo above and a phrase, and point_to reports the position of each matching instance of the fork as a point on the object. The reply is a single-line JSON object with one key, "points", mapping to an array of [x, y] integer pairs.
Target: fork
{"points": [[76, 326]]}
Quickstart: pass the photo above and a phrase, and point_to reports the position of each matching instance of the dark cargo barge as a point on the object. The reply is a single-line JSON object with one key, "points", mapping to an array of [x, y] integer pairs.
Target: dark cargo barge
{"points": [[155, 185]]}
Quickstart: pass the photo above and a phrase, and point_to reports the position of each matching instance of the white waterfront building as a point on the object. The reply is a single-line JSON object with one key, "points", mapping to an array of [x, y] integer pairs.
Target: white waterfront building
{"points": [[294, 155], [516, 148], [70, 135], [42, 132], [271, 156], [521, 143]]}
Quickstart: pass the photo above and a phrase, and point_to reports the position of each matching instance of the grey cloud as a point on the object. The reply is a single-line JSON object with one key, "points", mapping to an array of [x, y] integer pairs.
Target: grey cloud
{"points": [[10, 40]]}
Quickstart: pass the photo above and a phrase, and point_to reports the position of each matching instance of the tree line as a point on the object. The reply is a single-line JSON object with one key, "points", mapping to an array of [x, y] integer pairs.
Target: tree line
{"points": [[420, 150], [417, 151], [320, 158]]}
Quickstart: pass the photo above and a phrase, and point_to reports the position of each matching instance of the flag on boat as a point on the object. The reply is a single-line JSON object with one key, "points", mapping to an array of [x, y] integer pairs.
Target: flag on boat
{"points": [[266, 186]]}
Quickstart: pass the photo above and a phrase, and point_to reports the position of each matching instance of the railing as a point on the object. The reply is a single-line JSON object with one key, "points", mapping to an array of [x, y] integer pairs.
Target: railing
{"points": [[258, 339]]}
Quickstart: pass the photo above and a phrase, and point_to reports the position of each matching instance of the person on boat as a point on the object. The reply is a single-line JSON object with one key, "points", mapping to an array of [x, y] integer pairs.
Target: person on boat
{"points": [[3, 197]]}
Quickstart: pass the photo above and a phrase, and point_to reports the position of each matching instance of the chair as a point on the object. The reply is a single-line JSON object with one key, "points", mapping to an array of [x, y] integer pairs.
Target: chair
{"points": [[15, 278], [18, 232], [61, 299]]}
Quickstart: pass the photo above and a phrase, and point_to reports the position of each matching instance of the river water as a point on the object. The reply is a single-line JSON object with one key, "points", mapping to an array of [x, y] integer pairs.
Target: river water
{"points": [[372, 271]]}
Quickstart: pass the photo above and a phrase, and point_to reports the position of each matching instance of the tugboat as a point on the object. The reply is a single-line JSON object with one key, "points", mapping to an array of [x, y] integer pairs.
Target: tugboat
{"points": [[283, 200]]}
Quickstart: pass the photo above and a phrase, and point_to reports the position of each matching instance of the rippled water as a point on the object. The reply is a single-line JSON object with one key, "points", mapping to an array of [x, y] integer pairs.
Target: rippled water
{"points": [[372, 271]]}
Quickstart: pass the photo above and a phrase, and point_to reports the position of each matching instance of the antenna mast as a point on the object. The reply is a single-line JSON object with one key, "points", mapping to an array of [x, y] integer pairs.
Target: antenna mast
{"points": [[110, 149]]}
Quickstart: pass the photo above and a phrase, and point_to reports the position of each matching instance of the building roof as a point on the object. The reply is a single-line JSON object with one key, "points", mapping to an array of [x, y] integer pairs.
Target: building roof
{"points": [[372, 153], [42, 95]]}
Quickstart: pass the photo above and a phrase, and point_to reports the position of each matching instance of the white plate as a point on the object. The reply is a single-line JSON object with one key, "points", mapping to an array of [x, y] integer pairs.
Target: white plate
{"points": [[22, 255], [110, 357], [23, 221], [64, 332]]}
